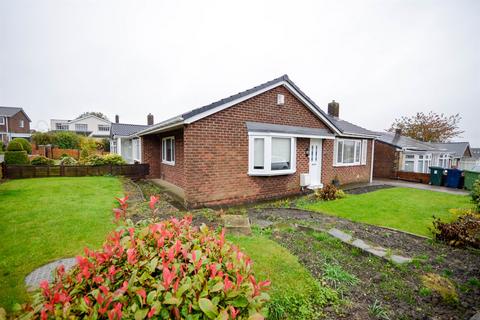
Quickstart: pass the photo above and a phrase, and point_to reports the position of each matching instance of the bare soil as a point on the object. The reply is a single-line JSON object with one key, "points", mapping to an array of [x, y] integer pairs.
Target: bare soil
{"points": [[396, 288]]}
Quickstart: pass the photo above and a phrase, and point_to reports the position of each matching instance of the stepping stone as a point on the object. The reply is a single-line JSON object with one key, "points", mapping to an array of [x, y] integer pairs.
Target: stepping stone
{"points": [[237, 224], [262, 223], [400, 259], [32, 281], [359, 243], [379, 252], [345, 237]]}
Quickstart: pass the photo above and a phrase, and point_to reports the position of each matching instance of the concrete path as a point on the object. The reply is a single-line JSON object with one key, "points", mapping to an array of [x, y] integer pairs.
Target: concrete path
{"points": [[32, 281], [421, 186]]}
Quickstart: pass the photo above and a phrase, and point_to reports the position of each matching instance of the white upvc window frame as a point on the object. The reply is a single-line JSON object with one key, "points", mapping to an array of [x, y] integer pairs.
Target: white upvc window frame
{"points": [[103, 128], [81, 127], [136, 149], [426, 161], [170, 162], [2, 121], [444, 160], [267, 149], [21, 124], [362, 159]]}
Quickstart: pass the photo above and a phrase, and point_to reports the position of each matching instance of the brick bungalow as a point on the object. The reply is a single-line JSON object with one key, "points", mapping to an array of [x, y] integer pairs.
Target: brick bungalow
{"points": [[266, 142], [14, 123]]}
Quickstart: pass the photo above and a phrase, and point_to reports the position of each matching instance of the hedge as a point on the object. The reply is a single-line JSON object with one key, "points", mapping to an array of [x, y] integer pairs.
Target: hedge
{"points": [[15, 145], [16, 157], [25, 144]]}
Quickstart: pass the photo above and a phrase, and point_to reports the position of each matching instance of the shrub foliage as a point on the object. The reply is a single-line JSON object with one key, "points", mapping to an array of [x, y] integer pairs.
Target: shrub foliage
{"points": [[475, 194], [166, 270], [41, 161], [464, 231], [66, 140], [98, 160], [15, 145], [329, 192], [16, 157], [68, 161], [25, 144]]}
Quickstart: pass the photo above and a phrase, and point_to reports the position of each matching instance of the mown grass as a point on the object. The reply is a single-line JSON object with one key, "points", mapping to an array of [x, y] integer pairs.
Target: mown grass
{"points": [[406, 209], [295, 294], [45, 219]]}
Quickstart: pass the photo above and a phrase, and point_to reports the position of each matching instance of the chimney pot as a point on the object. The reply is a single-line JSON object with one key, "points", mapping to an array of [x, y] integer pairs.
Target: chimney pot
{"points": [[117, 119], [334, 109], [150, 119]]}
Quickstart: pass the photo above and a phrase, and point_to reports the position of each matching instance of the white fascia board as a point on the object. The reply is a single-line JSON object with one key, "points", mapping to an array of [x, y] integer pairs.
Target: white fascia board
{"points": [[161, 127], [253, 94], [90, 116], [288, 135], [357, 135]]}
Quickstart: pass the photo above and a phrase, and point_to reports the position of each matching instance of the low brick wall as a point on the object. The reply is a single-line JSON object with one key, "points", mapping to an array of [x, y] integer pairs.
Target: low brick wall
{"points": [[414, 176]]}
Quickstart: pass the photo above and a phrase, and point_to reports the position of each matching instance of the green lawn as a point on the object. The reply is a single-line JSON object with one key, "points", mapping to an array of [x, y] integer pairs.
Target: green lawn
{"points": [[45, 219], [401, 208], [294, 292]]}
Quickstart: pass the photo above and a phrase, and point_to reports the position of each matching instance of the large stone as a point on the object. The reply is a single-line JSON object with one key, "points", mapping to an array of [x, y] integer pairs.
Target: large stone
{"points": [[32, 281], [345, 237], [400, 259], [236, 224]]}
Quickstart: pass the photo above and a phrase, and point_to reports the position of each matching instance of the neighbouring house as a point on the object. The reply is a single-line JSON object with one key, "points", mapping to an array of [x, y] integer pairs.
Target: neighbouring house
{"points": [[266, 142], [14, 123], [461, 154], [396, 156], [122, 142], [90, 125]]}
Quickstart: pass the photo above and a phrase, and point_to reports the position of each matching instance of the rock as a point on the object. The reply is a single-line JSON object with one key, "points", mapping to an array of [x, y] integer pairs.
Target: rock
{"points": [[237, 224], [32, 281], [476, 316]]}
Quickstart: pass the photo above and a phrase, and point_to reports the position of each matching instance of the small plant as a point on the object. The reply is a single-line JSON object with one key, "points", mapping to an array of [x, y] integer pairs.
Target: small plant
{"points": [[41, 161], [339, 277], [114, 159], [329, 192], [441, 285], [425, 292], [376, 310], [68, 161], [164, 270]]}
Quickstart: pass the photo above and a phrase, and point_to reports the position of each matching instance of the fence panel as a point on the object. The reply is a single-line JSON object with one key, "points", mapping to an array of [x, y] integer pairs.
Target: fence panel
{"points": [[32, 171]]}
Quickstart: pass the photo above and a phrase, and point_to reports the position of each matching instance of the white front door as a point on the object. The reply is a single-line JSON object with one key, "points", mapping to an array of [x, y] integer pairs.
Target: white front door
{"points": [[315, 163]]}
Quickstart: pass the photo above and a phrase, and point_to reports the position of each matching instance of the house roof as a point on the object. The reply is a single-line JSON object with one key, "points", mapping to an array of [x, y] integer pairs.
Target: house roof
{"points": [[404, 142], [457, 148], [292, 130], [340, 127], [475, 152], [125, 129], [11, 111]]}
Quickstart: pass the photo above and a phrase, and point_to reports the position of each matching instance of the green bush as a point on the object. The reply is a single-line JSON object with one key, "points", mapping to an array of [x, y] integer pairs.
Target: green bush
{"points": [[66, 140], [1, 146], [475, 194], [43, 138], [25, 144], [16, 157], [41, 161], [68, 161], [165, 270], [112, 158], [15, 145]]}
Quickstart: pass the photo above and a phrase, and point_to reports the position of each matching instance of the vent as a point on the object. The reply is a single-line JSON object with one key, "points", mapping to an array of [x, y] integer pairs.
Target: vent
{"points": [[280, 99]]}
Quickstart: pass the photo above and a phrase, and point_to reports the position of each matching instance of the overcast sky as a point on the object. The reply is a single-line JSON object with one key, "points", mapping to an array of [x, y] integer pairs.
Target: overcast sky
{"points": [[379, 59]]}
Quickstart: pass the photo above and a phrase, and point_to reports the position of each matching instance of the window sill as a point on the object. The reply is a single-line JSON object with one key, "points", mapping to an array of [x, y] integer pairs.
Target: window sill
{"points": [[349, 164], [271, 173], [170, 163]]}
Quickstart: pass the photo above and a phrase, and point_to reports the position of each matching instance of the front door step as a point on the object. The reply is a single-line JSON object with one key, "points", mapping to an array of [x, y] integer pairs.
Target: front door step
{"points": [[236, 224]]}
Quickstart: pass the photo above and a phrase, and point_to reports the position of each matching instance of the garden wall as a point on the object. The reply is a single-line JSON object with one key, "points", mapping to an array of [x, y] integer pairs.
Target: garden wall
{"points": [[413, 176], [29, 171]]}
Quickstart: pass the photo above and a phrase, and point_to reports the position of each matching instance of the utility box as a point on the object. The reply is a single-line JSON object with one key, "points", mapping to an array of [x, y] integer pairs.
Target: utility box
{"points": [[304, 180]]}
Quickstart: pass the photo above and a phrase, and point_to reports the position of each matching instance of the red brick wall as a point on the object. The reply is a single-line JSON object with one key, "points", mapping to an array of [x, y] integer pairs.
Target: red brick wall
{"points": [[14, 124], [413, 176], [152, 154], [345, 174], [174, 173], [386, 161]]}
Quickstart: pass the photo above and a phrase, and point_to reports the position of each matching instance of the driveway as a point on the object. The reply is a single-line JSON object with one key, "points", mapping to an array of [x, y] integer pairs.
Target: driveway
{"points": [[421, 186]]}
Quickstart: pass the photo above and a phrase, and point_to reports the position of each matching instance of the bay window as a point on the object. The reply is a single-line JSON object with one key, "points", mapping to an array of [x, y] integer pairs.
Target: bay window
{"points": [[168, 150], [270, 155], [350, 152]]}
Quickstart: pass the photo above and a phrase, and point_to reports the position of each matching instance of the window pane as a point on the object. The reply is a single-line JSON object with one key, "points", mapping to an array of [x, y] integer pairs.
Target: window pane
{"points": [[281, 153], [258, 153], [420, 166], [348, 151], [409, 166], [357, 151], [169, 150], [339, 151]]}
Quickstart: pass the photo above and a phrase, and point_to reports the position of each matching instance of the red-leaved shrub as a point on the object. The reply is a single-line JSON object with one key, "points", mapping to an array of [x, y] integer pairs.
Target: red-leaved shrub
{"points": [[165, 270]]}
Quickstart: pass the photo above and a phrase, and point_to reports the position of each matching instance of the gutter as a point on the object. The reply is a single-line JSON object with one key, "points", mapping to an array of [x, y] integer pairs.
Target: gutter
{"points": [[162, 125]]}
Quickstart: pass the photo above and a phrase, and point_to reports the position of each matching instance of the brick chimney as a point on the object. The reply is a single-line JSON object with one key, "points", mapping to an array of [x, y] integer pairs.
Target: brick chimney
{"points": [[117, 118], [334, 109], [398, 132], [150, 119]]}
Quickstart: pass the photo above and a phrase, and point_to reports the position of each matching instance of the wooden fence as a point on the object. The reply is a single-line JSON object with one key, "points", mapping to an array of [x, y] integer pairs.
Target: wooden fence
{"points": [[137, 171], [414, 176]]}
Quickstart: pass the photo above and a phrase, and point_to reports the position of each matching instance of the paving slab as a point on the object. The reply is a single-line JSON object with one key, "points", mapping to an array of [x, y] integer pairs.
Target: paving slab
{"points": [[359, 243], [236, 224], [345, 237], [400, 259], [32, 281]]}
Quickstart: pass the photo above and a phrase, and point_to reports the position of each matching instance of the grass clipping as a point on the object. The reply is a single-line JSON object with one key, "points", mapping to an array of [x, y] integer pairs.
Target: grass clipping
{"points": [[441, 285]]}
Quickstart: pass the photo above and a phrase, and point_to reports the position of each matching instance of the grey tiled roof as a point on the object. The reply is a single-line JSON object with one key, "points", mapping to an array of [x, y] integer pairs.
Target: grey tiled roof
{"points": [[277, 128], [125, 129], [405, 142], [458, 148], [9, 111], [343, 126]]}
